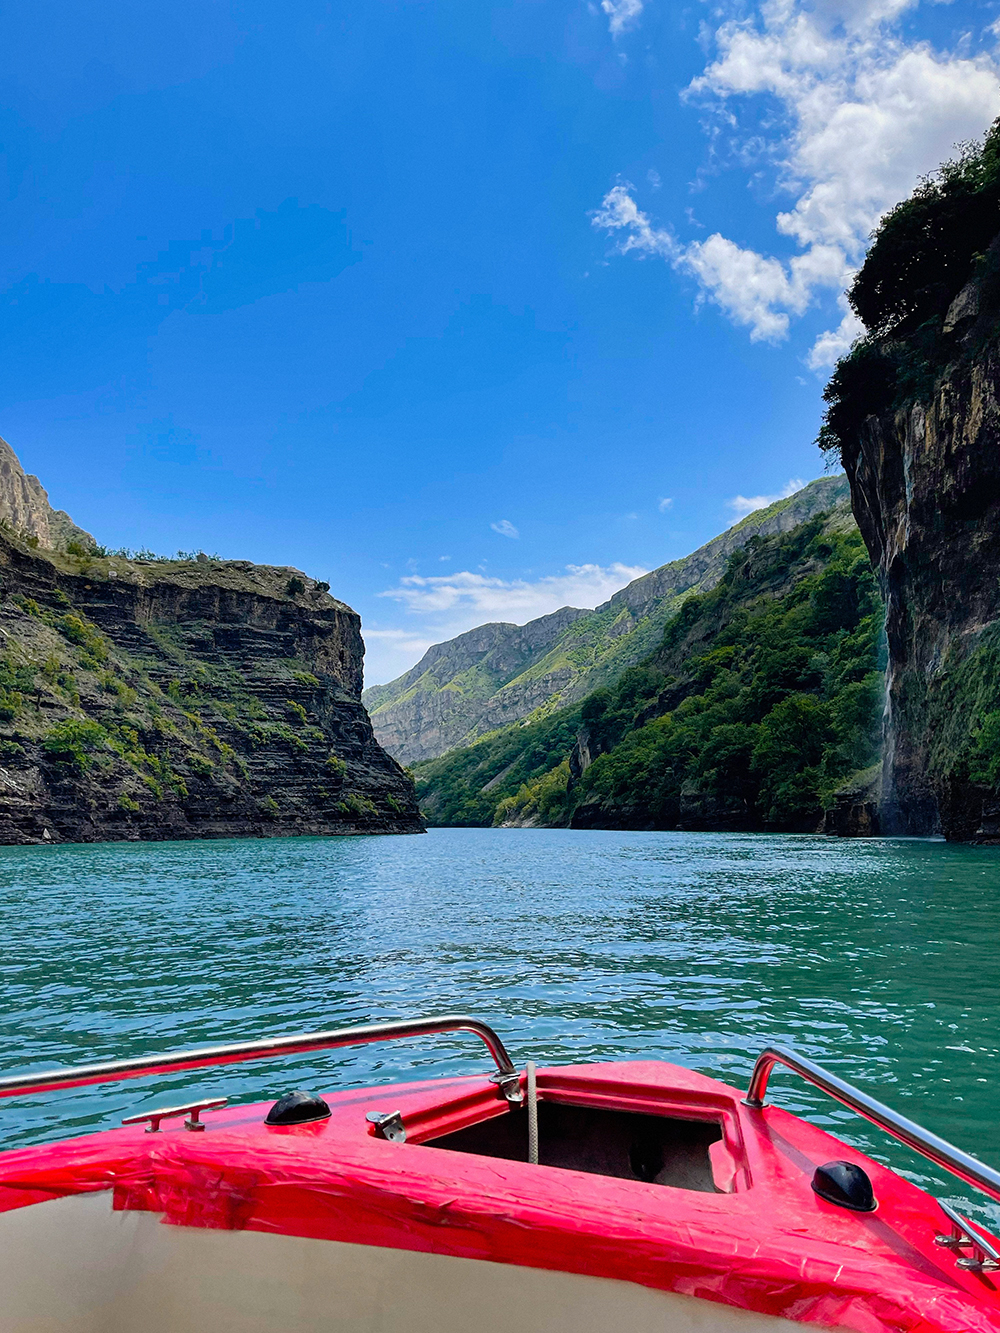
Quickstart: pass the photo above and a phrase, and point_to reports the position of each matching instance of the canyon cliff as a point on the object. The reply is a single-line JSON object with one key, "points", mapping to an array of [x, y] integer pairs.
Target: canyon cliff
{"points": [[926, 486], [148, 699], [914, 412]]}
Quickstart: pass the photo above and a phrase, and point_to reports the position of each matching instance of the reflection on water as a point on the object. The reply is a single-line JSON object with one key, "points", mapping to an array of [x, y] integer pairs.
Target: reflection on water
{"points": [[879, 958]]}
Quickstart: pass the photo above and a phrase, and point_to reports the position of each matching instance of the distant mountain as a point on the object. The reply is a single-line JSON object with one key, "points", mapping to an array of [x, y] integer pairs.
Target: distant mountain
{"points": [[500, 673], [759, 708]]}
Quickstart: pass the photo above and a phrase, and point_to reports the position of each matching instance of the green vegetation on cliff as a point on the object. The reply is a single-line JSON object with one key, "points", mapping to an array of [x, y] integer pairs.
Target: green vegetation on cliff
{"points": [[499, 674], [914, 412], [925, 252], [467, 786], [185, 698], [762, 698]]}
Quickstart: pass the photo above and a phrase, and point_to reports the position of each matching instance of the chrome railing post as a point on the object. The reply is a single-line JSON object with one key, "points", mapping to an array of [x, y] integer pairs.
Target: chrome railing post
{"points": [[939, 1151], [757, 1090]]}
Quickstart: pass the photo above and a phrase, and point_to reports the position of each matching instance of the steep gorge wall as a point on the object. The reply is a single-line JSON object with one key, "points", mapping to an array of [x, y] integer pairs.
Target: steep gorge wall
{"points": [[914, 411], [925, 484], [151, 699]]}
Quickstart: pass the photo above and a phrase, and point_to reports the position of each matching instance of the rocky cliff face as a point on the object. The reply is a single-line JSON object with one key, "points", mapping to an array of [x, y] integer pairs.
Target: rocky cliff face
{"points": [[925, 483], [499, 674], [154, 699], [25, 508], [914, 411]]}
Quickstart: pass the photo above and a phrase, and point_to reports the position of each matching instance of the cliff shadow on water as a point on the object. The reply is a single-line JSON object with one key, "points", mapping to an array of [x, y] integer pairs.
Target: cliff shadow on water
{"points": [[914, 414]]}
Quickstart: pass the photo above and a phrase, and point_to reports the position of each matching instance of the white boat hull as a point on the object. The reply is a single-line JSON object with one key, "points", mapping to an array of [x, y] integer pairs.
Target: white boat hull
{"points": [[75, 1265]]}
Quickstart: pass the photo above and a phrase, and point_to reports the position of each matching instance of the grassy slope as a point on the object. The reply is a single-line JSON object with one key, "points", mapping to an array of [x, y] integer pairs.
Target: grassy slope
{"points": [[600, 647], [761, 698], [596, 649]]}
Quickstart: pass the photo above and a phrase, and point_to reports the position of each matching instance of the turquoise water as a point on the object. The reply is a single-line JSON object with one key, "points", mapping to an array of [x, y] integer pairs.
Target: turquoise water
{"points": [[878, 958]]}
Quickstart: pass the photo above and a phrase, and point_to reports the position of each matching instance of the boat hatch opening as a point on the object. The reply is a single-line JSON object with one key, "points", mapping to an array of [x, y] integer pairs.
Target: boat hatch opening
{"points": [[661, 1150]]}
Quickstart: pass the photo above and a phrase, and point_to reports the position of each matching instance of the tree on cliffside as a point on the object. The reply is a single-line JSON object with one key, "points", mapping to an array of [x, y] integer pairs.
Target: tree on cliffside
{"points": [[923, 253]]}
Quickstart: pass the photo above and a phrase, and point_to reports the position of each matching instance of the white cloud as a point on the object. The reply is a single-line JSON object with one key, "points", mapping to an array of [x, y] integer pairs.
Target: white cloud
{"points": [[864, 114], [741, 505], [665, 504], [653, 177], [505, 528], [830, 346], [620, 212], [622, 14], [476, 596], [449, 604]]}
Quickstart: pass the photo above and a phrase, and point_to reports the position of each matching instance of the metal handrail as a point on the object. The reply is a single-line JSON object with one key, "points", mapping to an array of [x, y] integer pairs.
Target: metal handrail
{"points": [[78, 1076], [941, 1153]]}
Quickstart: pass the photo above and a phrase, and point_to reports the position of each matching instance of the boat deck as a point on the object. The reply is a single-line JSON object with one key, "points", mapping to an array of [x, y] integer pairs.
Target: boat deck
{"points": [[649, 1174]]}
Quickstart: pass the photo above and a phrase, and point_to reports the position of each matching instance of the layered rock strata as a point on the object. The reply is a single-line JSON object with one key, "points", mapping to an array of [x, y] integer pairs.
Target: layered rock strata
{"points": [[189, 699]]}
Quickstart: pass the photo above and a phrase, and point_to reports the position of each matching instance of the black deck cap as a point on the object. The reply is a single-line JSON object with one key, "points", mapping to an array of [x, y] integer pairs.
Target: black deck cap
{"points": [[297, 1108], [845, 1184]]}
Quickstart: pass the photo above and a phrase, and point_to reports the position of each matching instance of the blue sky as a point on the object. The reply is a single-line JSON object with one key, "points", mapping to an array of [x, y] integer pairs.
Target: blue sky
{"points": [[473, 309]]}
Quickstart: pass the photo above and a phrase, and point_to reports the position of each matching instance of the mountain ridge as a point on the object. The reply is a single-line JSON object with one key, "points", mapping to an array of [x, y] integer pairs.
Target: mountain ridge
{"points": [[759, 709], [453, 697]]}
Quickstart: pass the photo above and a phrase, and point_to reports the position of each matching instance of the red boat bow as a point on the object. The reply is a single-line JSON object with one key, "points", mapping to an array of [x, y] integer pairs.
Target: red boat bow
{"points": [[748, 1232]]}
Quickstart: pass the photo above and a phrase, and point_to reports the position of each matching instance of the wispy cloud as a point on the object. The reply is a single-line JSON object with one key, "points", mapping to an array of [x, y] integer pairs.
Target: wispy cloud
{"points": [[741, 505], [865, 113], [665, 504], [441, 606], [622, 14], [479, 595], [505, 528]]}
